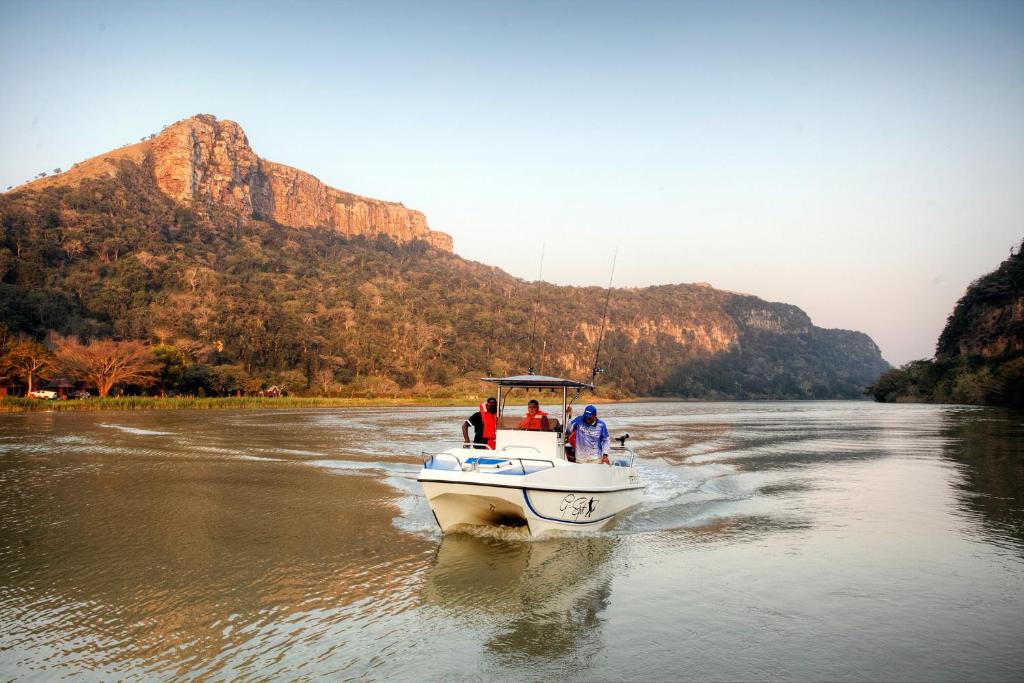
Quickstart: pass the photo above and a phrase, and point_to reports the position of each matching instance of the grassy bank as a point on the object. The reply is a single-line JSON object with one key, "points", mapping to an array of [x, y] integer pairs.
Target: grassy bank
{"points": [[29, 405], [25, 405]]}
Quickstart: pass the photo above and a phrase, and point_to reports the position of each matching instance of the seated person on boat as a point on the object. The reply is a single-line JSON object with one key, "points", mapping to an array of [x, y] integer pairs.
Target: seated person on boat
{"points": [[535, 418]]}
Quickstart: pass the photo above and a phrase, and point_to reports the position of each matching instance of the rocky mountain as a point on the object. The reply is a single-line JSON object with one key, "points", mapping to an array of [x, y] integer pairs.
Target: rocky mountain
{"points": [[259, 273], [979, 357], [201, 158]]}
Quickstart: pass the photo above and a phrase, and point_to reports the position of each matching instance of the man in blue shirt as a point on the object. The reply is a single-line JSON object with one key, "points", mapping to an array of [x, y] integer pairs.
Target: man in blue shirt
{"points": [[591, 437]]}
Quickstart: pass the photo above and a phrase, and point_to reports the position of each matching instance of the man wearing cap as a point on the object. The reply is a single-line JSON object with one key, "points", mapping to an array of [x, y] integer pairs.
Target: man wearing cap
{"points": [[591, 437], [485, 424]]}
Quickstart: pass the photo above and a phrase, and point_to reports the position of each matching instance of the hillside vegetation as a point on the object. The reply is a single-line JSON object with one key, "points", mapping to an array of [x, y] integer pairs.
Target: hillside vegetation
{"points": [[979, 357], [249, 303]]}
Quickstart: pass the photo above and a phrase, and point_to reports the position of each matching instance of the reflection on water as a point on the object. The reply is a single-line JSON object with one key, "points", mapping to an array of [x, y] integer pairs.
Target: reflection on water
{"points": [[990, 448], [801, 541], [549, 593]]}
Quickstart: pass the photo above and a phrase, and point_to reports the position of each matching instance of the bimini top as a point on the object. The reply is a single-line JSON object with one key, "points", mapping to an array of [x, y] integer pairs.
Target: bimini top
{"points": [[537, 382]]}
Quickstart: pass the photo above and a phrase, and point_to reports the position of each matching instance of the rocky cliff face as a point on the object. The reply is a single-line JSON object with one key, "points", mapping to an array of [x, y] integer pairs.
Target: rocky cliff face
{"points": [[996, 331], [202, 157], [979, 358], [754, 314], [988, 320], [207, 159]]}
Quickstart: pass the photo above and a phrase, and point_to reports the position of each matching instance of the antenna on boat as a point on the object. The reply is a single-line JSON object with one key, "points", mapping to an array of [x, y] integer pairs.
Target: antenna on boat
{"points": [[604, 321]]}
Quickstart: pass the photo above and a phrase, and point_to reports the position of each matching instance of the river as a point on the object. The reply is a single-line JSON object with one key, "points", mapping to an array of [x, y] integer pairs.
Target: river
{"points": [[777, 540]]}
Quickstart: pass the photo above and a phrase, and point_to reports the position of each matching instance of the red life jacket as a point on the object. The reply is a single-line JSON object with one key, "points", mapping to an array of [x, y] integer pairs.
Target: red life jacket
{"points": [[490, 421], [535, 422]]}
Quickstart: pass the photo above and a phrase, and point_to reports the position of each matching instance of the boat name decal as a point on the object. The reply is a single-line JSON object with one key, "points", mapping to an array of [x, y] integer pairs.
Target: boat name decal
{"points": [[578, 506]]}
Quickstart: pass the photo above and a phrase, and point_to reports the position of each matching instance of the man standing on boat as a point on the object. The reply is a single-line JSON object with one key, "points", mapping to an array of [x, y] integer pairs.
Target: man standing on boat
{"points": [[485, 425], [591, 437]]}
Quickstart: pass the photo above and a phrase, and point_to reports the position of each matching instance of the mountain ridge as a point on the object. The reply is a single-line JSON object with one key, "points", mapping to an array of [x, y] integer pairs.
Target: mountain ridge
{"points": [[188, 254]]}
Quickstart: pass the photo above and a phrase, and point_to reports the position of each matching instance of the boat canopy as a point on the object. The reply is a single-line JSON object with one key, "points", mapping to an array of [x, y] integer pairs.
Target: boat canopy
{"points": [[537, 382]]}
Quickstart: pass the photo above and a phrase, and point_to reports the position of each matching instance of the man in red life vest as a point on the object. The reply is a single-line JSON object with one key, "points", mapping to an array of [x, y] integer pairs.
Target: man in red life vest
{"points": [[485, 425], [535, 419]]}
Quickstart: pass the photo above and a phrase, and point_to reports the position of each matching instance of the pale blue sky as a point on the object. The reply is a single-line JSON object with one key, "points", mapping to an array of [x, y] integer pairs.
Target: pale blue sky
{"points": [[863, 161]]}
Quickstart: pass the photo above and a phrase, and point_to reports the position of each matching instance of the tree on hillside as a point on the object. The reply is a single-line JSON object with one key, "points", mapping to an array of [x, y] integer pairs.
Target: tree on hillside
{"points": [[171, 366], [28, 360], [105, 362]]}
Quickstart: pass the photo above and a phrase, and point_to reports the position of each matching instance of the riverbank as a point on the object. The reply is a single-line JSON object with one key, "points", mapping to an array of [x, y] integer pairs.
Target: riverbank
{"points": [[29, 405], [32, 405]]}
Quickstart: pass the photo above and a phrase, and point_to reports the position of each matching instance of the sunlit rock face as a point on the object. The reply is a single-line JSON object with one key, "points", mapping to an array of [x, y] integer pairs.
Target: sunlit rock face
{"points": [[203, 158]]}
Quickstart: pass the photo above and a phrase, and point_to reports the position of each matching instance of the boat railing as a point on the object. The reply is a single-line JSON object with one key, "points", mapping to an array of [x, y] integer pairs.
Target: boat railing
{"points": [[523, 446], [428, 458], [624, 450], [466, 465], [522, 462]]}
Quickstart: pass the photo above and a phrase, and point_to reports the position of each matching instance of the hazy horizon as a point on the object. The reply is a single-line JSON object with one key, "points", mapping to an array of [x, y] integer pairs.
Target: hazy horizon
{"points": [[861, 161]]}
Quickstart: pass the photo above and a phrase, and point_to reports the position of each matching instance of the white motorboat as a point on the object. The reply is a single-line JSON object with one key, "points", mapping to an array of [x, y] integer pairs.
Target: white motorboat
{"points": [[527, 479]]}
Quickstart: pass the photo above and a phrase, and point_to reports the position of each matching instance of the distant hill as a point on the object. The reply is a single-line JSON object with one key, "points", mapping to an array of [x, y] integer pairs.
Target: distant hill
{"points": [[979, 357], [261, 274]]}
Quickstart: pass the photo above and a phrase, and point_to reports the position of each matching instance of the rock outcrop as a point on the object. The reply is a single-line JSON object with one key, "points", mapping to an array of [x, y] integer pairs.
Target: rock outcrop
{"points": [[203, 158], [979, 358], [988, 321]]}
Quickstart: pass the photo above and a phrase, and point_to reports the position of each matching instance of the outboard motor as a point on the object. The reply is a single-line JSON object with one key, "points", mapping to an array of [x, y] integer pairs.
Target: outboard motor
{"points": [[621, 462]]}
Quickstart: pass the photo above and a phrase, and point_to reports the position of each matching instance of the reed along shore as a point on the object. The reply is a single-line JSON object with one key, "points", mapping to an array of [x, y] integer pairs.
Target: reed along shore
{"points": [[27, 405]]}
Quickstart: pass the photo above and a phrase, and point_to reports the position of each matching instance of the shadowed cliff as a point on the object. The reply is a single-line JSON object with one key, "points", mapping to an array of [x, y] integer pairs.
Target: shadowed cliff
{"points": [[979, 357]]}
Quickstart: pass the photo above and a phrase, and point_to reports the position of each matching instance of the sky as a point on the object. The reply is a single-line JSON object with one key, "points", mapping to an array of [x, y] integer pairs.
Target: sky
{"points": [[861, 160]]}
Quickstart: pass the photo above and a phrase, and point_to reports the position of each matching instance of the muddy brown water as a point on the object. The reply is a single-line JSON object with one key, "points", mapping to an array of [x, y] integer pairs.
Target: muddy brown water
{"points": [[797, 541]]}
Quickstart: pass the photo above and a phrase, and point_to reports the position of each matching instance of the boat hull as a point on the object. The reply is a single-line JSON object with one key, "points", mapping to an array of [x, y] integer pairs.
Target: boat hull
{"points": [[458, 503]]}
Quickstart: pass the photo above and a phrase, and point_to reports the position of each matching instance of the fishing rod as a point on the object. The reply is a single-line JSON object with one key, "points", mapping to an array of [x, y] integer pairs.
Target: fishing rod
{"points": [[604, 321], [536, 305], [536, 299]]}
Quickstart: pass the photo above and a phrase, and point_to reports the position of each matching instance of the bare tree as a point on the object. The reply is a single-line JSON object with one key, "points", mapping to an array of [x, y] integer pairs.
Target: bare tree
{"points": [[324, 377], [28, 360], [72, 247], [105, 362]]}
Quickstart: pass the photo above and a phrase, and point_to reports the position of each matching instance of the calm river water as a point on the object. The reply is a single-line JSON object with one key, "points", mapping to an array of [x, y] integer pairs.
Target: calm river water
{"points": [[798, 541]]}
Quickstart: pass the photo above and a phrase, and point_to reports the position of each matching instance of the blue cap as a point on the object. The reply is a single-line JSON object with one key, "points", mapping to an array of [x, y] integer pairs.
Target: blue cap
{"points": [[589, 411]]}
